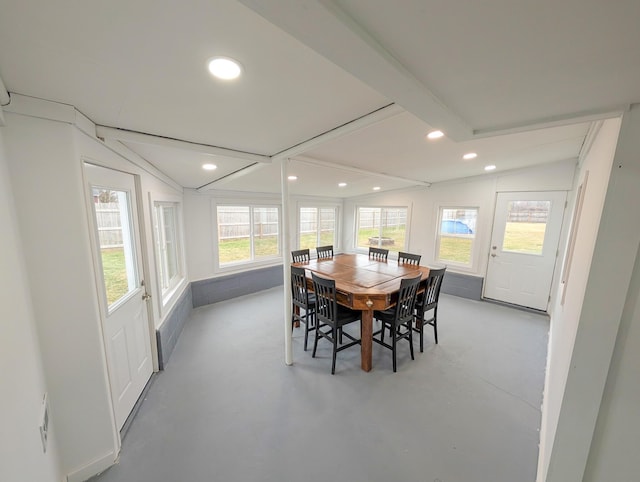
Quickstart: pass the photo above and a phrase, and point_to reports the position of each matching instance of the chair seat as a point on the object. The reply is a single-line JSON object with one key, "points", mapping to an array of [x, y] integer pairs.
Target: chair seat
{"points": [[345, 315]]}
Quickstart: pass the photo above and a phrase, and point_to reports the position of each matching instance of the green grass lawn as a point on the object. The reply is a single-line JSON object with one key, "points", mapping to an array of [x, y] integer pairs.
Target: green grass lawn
{"points": [[397, 234], [115, 274], [239, 249], [524, 237], [518, 237]]}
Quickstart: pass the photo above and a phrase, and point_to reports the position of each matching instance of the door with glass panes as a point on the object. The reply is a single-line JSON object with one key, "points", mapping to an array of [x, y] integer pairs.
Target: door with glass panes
{"points": [[524, 247], [125, 323]]}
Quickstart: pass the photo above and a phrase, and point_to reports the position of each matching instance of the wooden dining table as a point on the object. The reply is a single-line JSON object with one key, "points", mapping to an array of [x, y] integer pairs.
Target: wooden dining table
{"points": [[364, 284]]}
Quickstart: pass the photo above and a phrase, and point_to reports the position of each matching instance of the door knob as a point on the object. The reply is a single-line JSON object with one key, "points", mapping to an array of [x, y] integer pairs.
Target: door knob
{"points": [[493, 255]]}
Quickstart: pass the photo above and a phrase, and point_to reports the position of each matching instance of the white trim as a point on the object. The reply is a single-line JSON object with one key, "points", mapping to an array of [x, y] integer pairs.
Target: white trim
{"points": [[341, 167], [454, 266], [356, 224], [43, 109], [149, 139], [247, 265], [366, 120], [94, 467], [337, 242], [139, 161]]}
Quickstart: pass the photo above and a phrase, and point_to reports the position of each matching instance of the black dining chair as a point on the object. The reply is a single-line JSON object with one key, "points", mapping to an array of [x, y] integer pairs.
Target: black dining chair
{"points": [[324, 252], [300, 255], [331, 317], [409, 258], [379, 254], [399, 319], [304, 302], [428, 301]]}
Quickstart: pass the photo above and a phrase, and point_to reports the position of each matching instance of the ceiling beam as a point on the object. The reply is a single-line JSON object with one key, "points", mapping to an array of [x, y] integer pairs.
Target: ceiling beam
{"points": [[341, 167], [331, 32], [124, 135], [366, 120]]}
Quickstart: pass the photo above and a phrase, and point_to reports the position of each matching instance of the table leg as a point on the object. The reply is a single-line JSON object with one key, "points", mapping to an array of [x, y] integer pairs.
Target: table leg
{"points": [[366, 334]]}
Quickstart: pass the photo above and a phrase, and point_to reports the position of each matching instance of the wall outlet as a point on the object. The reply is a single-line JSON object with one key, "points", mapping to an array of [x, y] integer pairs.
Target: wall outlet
{"points": [[44, 422]]}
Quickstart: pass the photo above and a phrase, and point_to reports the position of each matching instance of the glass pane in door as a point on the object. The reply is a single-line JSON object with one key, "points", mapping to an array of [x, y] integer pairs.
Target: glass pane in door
{"points": [[526, 226], [115, 236]]}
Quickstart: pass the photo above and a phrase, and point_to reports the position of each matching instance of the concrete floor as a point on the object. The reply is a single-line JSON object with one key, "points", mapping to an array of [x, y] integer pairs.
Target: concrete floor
{"points": [[227, 408]]}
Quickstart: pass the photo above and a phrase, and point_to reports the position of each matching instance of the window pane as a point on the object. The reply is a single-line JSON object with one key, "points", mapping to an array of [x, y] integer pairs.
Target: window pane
{"points": [[309, 228], [368, 227], [234, 231], [526, 226], [394, 225], [327, 226], [382, 227], [265, 232], [170, 246], [456, 234], [116, 243]]}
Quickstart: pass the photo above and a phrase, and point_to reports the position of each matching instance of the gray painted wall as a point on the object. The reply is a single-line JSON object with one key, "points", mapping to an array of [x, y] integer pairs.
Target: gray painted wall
{"points": [[223, 288]]}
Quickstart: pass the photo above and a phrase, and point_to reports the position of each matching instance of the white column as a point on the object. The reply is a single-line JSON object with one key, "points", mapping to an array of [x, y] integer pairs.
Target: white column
{"points": [[286, 262]]}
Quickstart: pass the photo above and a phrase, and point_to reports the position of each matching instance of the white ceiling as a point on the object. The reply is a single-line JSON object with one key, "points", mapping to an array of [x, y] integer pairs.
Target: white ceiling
{"points": [[351, 82]]}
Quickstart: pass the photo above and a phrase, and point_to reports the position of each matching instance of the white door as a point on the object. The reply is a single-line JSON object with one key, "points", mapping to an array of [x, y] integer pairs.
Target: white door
{"points": [[124, 318], [524, 247]]}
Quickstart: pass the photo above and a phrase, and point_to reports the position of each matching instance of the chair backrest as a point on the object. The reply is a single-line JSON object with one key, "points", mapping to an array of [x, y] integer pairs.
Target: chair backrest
{"points": [[299, 290], [326, 305], [300, 256], [407, 299], [408, 258], [325, 252], [380, 254], [432, 288]]}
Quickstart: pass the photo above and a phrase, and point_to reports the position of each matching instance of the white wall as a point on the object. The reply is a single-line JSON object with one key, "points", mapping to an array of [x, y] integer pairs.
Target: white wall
{"points": [[564, 318], [584, 445], [50, 204], [614, 449], [22, 382], [477, 192], [45, 161]]}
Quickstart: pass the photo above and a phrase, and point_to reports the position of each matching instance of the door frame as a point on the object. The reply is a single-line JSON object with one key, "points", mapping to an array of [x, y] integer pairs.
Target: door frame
{"points": [[97, 270], [555, 271]]}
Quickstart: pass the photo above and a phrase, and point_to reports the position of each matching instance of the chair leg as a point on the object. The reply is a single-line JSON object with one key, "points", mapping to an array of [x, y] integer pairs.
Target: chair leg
{"points": [[435, 323], [410, 339], [306, 332], [393, 350], [315, 342], [335, 350]]}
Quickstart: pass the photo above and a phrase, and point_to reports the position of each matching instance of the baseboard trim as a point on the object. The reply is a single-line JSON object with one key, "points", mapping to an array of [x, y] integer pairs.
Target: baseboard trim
{"points": [[94, 467]]}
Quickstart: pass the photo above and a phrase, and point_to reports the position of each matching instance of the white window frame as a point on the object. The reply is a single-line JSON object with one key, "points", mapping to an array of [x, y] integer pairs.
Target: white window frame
{"points": [[318, 206], [359, 249], [166, 294], [474, 244], [250, 263]]}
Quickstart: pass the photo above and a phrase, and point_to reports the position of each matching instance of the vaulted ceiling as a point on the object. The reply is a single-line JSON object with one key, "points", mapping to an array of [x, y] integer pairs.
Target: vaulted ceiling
{"points": [[345, 89]]}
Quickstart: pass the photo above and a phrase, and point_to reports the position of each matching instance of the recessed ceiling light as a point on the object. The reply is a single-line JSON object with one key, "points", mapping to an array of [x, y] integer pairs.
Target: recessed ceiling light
{"points": [[342, 184], [435, 135], [224, 68], [209, 167], [470, 155], [490, 167], [377, 188], [292, 178]]}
